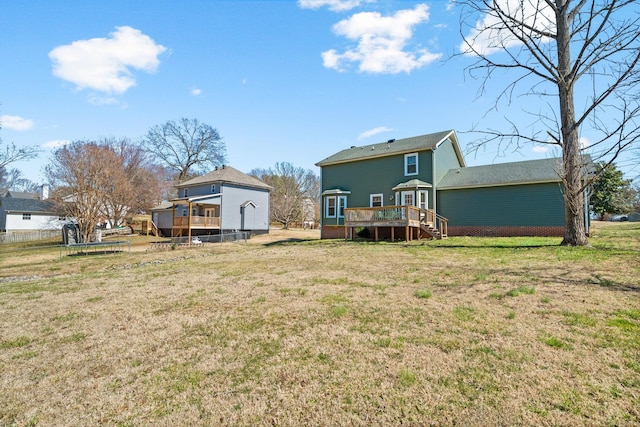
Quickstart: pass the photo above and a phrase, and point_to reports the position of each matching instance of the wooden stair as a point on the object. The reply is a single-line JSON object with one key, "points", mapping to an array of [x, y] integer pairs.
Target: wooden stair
{"points": [[155, 230], [430, 231], [433, 225]]}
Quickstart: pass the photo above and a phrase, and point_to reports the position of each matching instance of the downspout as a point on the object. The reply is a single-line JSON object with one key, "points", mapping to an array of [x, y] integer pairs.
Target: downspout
{"points": [[321, 204], [433, 184]]}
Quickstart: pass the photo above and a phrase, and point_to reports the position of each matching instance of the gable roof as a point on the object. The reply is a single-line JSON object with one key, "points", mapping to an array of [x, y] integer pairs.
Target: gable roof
{"points": [[525, 172], [15, 205], [394, 147], [226, 174]]}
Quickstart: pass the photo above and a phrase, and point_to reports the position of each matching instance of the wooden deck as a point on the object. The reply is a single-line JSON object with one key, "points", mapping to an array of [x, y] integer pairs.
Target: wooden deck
{"points": [[412, 221], [183, 225], [196, 222]]}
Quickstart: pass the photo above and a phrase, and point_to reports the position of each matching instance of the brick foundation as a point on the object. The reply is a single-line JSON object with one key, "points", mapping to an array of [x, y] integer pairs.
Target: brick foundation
{"points": [[337, 232], [332, 232]]}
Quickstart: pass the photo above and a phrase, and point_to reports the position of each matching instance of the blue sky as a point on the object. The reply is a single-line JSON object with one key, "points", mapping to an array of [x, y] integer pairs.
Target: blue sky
{"points": [[288, 80]]}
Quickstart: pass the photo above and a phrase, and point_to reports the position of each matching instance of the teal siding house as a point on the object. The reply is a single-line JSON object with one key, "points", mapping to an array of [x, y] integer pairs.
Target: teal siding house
{"points": [[420, 187]]}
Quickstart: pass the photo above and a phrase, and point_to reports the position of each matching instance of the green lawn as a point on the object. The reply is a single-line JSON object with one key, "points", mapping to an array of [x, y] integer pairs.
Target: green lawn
{"points": [[464, 331]]}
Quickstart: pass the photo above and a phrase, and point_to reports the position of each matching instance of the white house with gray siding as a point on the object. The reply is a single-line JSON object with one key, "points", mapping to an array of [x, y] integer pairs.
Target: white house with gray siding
{"points": [[24, 212], [220, 201]]}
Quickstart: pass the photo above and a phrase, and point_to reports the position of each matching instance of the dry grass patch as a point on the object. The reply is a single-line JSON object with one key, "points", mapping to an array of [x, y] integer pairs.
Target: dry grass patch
{"points": [[307, 332]]}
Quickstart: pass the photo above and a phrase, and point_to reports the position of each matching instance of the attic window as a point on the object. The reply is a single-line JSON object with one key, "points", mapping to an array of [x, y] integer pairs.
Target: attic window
{"points": [[186, 192], [213, 188], [26, 216], [411, 164]]}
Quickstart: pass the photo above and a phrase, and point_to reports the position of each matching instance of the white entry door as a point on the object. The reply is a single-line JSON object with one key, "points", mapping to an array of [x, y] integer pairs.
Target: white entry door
{"points": [[424, 199]]}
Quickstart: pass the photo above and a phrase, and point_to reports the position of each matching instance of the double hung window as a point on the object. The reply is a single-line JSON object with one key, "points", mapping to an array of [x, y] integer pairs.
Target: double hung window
{"points": [[375, 200], [411, 164]]}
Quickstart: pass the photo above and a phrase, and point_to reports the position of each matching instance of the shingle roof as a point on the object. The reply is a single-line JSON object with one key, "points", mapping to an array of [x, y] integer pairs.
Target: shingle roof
{"points": [[392, 147], [525, 172], [12, 204], [21, 195], [226, 174]]}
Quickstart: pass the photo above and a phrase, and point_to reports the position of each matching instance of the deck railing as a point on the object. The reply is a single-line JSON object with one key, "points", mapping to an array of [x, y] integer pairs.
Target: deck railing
{"points": [[385, 215], [197, 221], [393, 216]]}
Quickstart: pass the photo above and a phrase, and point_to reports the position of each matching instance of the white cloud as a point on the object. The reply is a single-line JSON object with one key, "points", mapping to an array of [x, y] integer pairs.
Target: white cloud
{"points": [[374, 131], [102, 100], [490, 35], [105, 64], [334, 5], [585, 142], [15, 122], [451, 4], [381, 42], [195, 91], [540, 149], [55, 144]]}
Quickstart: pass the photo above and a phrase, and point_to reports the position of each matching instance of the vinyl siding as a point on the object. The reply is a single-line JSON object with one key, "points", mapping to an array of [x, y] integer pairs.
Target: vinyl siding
{"points": [[373, 176], [514, 205], [233, 197], [15, 222], [445, 159]]}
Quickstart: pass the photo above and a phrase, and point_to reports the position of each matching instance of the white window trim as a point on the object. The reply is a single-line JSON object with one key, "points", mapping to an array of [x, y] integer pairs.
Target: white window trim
{"points": [[326, 207], [342, 205], [406, 157], [185, 193], [371, 196]]}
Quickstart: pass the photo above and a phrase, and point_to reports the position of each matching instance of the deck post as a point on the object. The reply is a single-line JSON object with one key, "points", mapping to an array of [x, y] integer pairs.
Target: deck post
{"points": [[189, 224], [392, 233], [173, 219], [406, 233], [375, 231]]}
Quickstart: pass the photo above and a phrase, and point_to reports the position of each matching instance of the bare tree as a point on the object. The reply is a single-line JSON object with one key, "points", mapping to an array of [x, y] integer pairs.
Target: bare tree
{"points": [[550, 46], [291, 186], [101, 182], [12, 179], [9, 153], [187, 146], [82, 173], [139, 189]]}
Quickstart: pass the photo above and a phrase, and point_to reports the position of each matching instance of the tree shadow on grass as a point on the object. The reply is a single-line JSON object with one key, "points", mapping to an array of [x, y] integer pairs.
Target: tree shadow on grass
{"points": [[288, 241]]}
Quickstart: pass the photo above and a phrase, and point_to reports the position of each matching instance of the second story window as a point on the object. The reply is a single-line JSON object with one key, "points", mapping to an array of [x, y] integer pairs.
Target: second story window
{"points": [[186, 192], [411, 164], [375, 200], [26, 216]]}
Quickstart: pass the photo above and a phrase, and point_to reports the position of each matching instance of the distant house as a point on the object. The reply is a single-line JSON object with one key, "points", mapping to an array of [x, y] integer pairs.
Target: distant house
{"points": [[222, 200], [421, 187], [22, 212]]}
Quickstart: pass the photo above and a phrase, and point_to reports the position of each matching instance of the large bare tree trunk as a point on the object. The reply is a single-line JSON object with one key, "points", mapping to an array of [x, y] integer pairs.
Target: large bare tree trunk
{"points": [[574, 229]]}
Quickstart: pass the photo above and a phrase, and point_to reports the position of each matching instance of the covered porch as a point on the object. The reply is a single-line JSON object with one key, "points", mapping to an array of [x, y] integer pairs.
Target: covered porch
{"points": [[195, 213]]}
